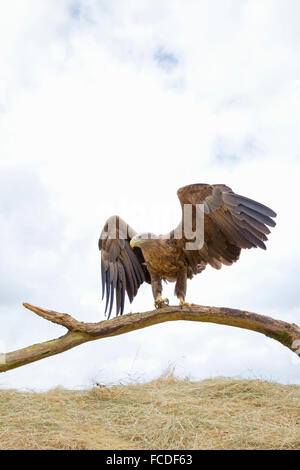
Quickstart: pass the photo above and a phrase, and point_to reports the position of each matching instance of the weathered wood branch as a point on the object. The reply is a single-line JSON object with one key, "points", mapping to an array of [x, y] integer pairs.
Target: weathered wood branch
{"points": [[287, 334]]}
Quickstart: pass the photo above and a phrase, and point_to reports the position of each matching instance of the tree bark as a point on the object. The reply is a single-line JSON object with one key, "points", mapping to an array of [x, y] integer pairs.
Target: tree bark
{"points": [[287, 334]]}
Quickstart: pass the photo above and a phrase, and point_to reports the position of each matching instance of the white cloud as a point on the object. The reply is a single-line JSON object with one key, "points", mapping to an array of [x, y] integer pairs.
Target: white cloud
{"points": [[103, 128]]}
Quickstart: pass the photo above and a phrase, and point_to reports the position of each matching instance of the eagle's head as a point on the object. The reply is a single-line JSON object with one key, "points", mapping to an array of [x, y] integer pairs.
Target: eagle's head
{"points": [[142, 239]]}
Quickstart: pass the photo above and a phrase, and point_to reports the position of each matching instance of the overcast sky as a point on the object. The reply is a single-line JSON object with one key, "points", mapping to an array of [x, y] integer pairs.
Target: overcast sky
{"points": [[108, 108]]}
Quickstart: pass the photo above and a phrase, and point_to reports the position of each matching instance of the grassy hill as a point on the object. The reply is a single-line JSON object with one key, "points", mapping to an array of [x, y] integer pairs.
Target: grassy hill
{"points": [[166, 413]]}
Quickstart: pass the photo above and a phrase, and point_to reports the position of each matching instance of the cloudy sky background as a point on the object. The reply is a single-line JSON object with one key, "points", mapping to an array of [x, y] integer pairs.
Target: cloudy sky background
{"points": [[107, 108]]}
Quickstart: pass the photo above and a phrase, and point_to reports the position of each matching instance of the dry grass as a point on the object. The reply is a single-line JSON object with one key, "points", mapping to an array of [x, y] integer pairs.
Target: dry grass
{"points": [[166, 413]]}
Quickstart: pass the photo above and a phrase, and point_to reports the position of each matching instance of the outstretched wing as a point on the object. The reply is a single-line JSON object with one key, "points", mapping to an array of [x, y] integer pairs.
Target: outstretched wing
{"points": [[122, 268], [231, 222]]}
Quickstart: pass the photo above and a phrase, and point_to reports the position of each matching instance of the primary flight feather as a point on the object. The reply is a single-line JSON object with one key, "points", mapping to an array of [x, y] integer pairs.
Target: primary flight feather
{"points": [[229, 222]]}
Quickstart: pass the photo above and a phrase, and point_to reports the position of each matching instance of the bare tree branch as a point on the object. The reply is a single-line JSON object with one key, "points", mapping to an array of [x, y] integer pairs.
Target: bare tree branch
{"points": [[287, 334]]}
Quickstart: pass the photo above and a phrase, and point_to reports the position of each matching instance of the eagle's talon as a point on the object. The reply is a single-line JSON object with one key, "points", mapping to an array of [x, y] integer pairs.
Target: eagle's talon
{"points": [[160, 302], [182, 303]]}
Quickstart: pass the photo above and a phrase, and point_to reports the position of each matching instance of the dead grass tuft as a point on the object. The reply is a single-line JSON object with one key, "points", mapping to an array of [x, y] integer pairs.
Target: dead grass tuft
{"points": [[166, 413]]}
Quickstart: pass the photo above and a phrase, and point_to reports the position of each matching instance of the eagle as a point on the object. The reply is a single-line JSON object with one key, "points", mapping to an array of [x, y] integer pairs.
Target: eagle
{"points": [[216, 224]]}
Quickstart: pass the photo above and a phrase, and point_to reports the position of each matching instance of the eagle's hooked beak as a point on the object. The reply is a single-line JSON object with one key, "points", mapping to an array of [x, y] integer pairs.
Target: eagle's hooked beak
{"points": [[136, 241], [133, 242]]}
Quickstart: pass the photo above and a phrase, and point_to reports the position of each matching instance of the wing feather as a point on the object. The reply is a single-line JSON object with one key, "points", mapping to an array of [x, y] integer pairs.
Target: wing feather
{"points": [[236, 200], [264, 219], [123, 269], [231, 222]]}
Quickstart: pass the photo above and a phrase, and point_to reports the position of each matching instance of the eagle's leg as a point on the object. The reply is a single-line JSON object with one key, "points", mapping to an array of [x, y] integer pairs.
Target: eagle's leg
{"points": [[157, 290], [180, 288]]}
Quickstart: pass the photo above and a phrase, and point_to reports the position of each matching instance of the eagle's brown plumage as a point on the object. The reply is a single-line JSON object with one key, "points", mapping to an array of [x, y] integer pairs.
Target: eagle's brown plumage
{"points": [[231, 222]]}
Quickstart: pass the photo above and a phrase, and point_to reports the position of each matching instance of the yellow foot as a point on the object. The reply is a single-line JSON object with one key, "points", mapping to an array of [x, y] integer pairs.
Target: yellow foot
{"points": [[159, 302], [183, 303]]}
